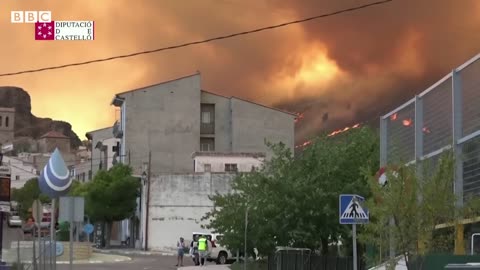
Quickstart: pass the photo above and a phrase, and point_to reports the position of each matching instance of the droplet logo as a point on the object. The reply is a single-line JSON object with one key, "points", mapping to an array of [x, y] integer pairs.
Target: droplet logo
{"points": [[55, 179]]}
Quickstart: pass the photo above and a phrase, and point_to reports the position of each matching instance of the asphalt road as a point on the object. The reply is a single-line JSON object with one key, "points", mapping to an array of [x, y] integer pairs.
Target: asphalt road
{"points": [[10, 235], [151, 262]]}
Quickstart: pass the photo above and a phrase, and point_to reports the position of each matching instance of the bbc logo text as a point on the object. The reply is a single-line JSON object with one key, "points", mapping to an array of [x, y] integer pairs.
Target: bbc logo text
{"points": [[30, 16]]}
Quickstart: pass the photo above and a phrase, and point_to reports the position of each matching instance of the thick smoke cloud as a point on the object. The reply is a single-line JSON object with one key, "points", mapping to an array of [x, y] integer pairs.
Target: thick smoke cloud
{"points": [[351, 66], [390, 53]]}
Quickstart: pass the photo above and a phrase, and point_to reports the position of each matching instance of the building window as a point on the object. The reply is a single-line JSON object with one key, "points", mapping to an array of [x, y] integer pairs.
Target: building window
{"points": [[6, 121], [207, 167], [231, 167], [90, 175], [1, 121], [17, 177], [207, 144], [206, 119]]}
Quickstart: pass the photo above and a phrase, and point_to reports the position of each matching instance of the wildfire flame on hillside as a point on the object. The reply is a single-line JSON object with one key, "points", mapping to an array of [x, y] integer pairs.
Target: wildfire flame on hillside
{"points": [[299, 117], [333, 133], [407, 122]]}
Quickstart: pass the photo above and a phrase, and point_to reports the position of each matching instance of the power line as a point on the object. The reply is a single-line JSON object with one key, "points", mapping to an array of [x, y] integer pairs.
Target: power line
{"points": [[199, 41]]}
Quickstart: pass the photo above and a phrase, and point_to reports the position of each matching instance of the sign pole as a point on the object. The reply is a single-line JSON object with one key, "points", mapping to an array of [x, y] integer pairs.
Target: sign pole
{"points": [[352, 212], [354, 236], [38, 221], [1, 236], [72, 209], [52, 235]]}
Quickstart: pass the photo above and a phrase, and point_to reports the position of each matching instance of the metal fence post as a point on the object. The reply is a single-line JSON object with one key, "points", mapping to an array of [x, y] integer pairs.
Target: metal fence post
{"points": [[418, 130], [383, 142], [457, 148], [383, 163], [457, 134], [419, 154]]}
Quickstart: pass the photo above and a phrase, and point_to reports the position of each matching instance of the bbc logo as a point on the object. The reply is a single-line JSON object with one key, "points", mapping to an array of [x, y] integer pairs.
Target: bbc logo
{"points": [[30, 16]]}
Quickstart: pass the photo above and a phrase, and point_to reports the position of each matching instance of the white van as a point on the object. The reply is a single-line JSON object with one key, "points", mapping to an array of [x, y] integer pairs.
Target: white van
{"points": [[218, 253]]}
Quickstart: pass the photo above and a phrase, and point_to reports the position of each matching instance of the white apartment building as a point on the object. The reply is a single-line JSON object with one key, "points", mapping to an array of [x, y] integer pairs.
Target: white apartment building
{"points": [[21, 171]]}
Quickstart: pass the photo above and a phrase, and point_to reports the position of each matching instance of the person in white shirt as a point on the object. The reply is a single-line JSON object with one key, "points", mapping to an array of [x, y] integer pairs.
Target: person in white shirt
{"points": [[180, 251]]}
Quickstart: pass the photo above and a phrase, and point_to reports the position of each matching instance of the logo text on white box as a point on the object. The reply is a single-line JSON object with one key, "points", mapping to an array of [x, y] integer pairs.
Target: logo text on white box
{"points": [[30, 16], [65, 30]]}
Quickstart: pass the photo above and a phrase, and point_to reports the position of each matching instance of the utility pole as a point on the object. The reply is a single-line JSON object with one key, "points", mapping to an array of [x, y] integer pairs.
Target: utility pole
{"points": [[148, 198], [245, 244], [131, 228]]}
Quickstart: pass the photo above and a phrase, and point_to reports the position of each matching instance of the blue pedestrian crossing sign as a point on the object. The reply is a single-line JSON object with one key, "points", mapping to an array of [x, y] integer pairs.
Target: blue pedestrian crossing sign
{"points": [[352, 209]]}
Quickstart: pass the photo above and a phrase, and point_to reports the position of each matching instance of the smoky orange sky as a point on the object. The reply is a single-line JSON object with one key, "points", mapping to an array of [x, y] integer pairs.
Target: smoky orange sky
{"points": [[347, 66]]}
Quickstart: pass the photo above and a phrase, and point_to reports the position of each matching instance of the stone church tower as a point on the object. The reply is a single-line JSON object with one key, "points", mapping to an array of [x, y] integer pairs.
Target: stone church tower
{"points": [[7, 120]]}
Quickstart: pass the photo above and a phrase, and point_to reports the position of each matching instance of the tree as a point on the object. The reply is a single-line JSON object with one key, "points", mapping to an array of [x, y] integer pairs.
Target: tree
{"points": [[418, 200], [111, 195], [78, 189], [294, 201], [26, 195]]}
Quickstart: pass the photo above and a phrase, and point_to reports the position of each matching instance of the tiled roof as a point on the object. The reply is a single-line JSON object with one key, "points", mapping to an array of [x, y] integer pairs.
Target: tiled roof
{"points": [[54, 134]]}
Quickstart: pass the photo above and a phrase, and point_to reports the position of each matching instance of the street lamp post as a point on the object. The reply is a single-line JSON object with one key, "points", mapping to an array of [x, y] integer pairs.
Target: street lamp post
{"points": [[142, 208]]}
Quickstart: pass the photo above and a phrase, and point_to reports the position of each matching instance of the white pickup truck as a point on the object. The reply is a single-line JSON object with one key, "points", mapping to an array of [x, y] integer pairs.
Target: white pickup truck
{"points": [[218, 253]]}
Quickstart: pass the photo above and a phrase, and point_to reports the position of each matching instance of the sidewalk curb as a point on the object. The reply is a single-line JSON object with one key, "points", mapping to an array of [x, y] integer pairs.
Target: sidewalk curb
{"points": [[126, 259], [133, 252]]}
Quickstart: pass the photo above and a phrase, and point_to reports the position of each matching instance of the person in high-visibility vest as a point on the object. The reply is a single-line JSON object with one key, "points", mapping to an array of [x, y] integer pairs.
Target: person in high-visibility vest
{"points": [[203, 249]]}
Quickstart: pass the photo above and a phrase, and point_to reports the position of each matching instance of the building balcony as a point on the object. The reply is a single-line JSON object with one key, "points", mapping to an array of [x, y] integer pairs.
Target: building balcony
{"points": [[207, 129], [117, 130]]}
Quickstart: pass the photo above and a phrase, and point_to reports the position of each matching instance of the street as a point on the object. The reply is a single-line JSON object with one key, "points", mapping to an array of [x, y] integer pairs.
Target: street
{"points": [[10, 235], [138, 262]]}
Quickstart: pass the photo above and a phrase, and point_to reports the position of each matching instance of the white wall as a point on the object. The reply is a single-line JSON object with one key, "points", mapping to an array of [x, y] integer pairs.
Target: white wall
{"points": [[217, 163], [177, 204], [20, 172]]}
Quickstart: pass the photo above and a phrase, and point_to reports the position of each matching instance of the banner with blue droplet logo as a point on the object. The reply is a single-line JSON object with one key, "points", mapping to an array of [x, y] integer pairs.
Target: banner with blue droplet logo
{"points": [[55, 180]]}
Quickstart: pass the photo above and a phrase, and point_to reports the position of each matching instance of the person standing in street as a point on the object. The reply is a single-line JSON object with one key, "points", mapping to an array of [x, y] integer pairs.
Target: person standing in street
{"points": [[203, 249], [194, 250], [180, 251]]}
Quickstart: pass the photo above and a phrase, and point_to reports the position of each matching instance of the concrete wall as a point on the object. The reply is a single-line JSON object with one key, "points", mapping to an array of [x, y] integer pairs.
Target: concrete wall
{"points": [[163, 119], [244, 164], [7, 132], [98, 136], [253, 123], [223, 129], [177, 204]]}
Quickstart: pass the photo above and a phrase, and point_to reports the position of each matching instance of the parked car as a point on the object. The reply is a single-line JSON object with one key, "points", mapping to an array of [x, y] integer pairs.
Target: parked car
{"points": [[14, 221]]}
